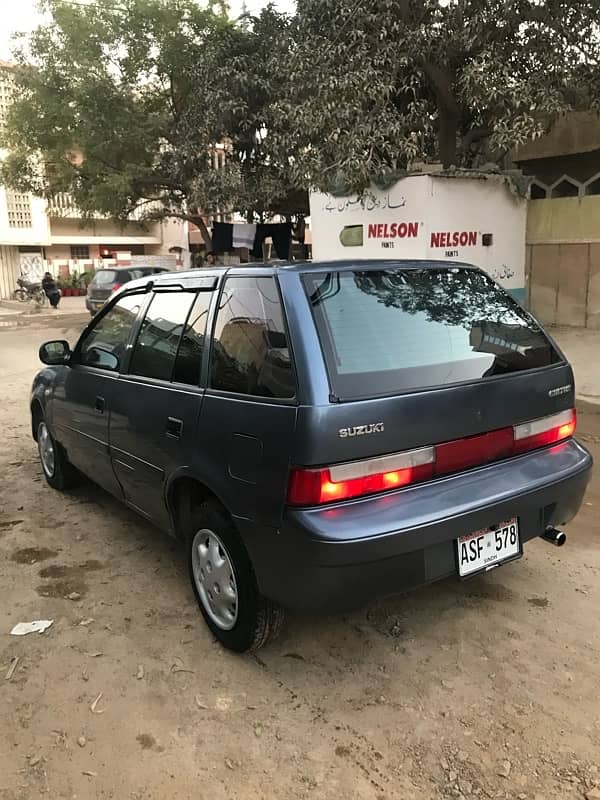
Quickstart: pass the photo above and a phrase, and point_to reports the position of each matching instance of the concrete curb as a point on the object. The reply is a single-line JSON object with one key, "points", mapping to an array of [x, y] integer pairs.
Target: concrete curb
{"points": [[585, 407], [10, 321]]}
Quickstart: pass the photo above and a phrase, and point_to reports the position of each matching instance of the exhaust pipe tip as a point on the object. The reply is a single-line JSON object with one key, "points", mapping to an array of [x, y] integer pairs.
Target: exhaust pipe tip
{"points": [[555, 537]]}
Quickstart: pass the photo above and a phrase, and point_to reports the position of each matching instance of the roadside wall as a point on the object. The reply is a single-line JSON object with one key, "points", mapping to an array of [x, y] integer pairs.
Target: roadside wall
{"points": [[478, 220], [563, 261]]}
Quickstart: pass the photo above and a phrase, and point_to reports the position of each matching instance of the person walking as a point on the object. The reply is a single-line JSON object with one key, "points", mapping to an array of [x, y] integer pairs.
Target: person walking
{"points": [[51, 290]]}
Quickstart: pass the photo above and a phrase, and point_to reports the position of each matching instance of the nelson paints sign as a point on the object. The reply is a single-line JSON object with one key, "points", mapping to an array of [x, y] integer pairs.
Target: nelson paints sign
{"points": [[393, 230], [410, 230], [454, 239]]}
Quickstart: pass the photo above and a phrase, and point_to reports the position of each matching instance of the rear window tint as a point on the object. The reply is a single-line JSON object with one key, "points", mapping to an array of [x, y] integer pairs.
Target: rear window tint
{"points": [[397, 330]]}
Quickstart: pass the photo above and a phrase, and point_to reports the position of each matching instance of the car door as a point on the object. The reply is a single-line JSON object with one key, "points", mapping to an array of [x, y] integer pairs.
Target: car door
{"points": [[157, 404], [249, 411], [83, 400]]}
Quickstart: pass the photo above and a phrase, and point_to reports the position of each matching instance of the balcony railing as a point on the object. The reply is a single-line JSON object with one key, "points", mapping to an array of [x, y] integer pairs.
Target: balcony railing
{"points": [[62, 205]]}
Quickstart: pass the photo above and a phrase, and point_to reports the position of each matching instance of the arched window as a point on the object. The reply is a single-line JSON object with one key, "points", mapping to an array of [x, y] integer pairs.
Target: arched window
{"points": [[565, 187], [538, 190]]}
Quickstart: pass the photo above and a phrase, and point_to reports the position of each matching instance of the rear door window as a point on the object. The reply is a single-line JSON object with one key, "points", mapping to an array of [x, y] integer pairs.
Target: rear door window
{"points": [[193, 339], [158, 340], [250, 353], [396, 330]]}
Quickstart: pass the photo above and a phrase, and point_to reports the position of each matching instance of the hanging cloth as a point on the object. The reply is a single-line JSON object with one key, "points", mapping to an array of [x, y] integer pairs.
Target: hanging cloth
{"points": [[281, 235], [222, 237], [244, 235]]}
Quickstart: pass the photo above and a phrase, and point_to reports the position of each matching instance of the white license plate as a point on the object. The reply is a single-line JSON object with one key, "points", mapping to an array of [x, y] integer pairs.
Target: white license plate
{"points": [[486, 549]]}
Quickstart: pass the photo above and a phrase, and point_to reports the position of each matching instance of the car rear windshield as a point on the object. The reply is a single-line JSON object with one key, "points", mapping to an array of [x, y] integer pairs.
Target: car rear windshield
{"points": [[396, 330], [105, 277]]}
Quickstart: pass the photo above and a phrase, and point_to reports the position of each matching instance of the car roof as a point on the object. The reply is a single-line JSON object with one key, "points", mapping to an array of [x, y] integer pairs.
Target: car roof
{"points": [[188, 276], [132, 267]]}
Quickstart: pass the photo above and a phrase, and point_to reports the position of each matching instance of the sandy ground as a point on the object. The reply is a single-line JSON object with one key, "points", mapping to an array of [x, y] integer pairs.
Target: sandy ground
{"points": [[487, 688]]}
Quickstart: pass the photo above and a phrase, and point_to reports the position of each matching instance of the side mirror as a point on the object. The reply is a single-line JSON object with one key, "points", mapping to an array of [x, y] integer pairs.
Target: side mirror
{"points": [[54, 353]]}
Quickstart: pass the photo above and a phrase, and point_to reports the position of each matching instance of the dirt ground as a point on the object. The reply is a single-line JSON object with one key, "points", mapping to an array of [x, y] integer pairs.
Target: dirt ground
{"points": [[488, 688]]}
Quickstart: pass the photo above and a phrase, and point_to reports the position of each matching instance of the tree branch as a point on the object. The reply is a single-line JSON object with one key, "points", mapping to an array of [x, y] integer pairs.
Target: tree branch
{"points": [[442, 86]]}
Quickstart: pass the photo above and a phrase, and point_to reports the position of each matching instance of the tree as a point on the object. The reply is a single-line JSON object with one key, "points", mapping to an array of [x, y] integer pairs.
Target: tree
{"points": [[122, 105], [376, 85]]}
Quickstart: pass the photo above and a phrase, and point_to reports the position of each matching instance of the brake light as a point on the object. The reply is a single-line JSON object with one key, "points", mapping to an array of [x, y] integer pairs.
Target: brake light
{"points": [[313, 487], [545, 431], [310, 487], [116, 287]]}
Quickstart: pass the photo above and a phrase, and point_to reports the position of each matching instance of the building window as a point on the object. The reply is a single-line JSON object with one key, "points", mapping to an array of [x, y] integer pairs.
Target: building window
{"points": [[566, 187], [593, 187], [80, 251], [538, 191], [5, 95], [19, 209]]}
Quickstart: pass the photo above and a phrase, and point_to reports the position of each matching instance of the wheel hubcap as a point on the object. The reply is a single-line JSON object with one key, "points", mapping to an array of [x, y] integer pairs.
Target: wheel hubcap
{"points": [[214, 578], [46, 448]]}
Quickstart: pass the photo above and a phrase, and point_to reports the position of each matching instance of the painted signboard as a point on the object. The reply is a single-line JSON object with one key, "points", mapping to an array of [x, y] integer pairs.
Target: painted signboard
{"points": [[468, 219]]}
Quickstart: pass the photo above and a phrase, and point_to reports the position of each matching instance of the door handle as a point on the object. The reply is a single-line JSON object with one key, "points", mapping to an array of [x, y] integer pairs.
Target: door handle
{"points": [[99, 405], [174, 427]]}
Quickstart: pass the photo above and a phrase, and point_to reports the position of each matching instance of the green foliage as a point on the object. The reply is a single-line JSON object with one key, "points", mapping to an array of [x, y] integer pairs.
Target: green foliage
{"points": [[126, 100], [374, 86]]}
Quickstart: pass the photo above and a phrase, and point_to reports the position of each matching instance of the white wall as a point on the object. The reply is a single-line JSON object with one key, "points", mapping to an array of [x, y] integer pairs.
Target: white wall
{"points": [[429, 217], [37, 234], [174, 233]]}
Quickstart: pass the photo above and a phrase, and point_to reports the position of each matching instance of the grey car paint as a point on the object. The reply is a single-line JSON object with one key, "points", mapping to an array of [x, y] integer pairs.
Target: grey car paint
{"points": [[241, 449]]}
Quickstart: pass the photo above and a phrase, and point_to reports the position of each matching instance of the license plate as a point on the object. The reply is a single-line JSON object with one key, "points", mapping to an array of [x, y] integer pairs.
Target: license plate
{"points": [[486, 549]]}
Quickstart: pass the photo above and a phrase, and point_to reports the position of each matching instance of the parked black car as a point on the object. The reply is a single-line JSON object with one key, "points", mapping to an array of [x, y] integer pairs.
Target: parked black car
{"points": [[318, 435], [107, 281]]}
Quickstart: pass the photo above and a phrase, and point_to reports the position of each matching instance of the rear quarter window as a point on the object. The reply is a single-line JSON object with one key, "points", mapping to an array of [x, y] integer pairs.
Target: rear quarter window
{"points": [[397, 330], [250, 352]]}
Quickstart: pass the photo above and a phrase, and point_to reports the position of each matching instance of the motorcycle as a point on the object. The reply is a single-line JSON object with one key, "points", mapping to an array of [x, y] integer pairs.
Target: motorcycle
{"points": [[29, 290]]}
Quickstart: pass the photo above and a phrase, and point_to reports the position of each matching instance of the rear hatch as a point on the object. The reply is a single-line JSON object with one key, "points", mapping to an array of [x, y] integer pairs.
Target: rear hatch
{"points": [[435, 361], [104, 283]]}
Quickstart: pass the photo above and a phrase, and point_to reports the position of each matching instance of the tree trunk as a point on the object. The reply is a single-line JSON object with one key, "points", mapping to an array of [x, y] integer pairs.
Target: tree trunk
{"points": [[447, 131], [201, 225]]}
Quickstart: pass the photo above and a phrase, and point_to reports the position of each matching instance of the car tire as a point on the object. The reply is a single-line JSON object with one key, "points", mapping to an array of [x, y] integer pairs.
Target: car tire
{"points": [[236, 613], [60, 474]]}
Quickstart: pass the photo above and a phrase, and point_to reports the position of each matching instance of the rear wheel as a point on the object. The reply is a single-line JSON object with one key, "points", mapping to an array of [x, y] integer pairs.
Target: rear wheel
{"points": [[58, 471], [224, 583], [39, 297]]}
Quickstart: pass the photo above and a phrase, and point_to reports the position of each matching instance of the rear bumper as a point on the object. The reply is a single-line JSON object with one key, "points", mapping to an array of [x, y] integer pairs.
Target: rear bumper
{"points": [[340, 557]]}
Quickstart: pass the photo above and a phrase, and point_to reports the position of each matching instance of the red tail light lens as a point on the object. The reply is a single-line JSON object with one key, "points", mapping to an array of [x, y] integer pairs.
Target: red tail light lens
{"points": [[545, 431], [116, 287], [313, 487]]}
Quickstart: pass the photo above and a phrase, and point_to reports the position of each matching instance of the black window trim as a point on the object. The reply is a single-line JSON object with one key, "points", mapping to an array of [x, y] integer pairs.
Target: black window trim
{"points": [[249, 398]]}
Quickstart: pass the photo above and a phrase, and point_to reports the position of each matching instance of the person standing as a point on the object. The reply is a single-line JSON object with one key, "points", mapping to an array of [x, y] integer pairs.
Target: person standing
{"points": [[51, 290]]}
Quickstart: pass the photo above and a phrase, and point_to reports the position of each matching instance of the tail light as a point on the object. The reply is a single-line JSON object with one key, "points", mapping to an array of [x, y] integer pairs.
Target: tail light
{"points": [[116, 287], [313, 487], [546, 431]]}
